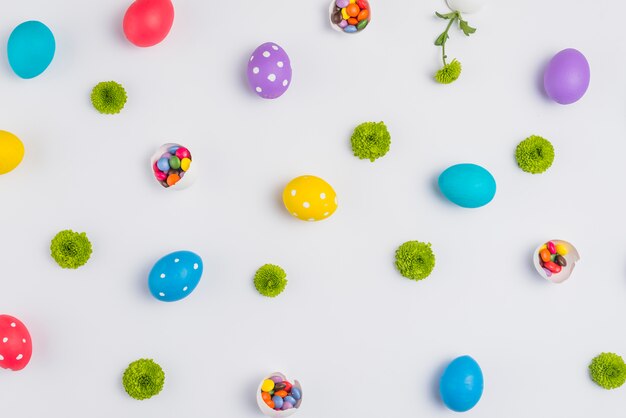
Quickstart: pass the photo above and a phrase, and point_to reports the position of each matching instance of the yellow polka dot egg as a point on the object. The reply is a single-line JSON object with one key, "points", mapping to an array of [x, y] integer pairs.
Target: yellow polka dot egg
{"points": [[310, 198]]}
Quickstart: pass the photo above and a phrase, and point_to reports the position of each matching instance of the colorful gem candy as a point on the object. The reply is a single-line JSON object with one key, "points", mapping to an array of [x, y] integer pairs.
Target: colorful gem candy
{"points": [[350, 16]]}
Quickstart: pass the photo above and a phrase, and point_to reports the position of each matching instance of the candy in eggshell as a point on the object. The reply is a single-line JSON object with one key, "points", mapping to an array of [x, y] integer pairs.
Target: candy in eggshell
{"points": [[466, 6], [278, 397], [554, 260], [310, 198], [16, 347], [269, 71], [174, 167], [175, 276], [148, 22], [350, 16]]}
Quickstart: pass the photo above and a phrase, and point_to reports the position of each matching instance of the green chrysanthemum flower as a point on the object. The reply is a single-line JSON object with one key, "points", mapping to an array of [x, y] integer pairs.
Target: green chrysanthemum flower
{"points": [[70, 249], [608, 370], [415, 260], [143, 379], [534, 154], [270, 280], [449, 73], [108, 97], [370, 140]]}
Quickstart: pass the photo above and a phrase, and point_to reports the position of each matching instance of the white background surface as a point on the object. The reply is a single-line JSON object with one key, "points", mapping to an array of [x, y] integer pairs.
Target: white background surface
{"points": [[363, 341]]}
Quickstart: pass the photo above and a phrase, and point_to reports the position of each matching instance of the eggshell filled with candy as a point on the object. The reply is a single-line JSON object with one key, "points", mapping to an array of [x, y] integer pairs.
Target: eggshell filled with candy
{"points": [[350, 16], [175, 276], [566, 79], [555, 260], [16, 346], [30, 49], [269, 71], [11, 152], [310, 198], [278, 397], [467, 185], [173, 166], [466, 6], [148, 22], [461, 385]]}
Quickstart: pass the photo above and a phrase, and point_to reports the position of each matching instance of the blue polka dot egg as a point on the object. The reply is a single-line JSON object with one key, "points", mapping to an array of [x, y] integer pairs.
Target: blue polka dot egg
{"points": [[175, 276]]}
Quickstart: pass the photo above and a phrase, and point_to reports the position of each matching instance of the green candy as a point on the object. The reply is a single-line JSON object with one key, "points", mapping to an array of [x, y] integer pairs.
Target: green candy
{"points": [[362, 24], [174, 162]]}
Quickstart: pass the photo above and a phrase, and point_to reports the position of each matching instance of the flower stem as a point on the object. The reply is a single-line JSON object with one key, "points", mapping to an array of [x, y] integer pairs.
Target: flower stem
{"points": [[443, 45]]}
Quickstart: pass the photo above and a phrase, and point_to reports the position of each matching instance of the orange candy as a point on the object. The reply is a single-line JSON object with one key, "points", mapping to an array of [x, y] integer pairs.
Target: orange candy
{"points": [[545, 255], [270, 403], [352, 21], [266, 396], [363, 14], [281, 393], [172, 179], [353, 10]]}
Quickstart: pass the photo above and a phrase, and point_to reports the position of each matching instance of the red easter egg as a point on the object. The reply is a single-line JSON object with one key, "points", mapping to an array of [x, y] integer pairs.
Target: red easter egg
{"points": [[147, 22], [16, 347]]}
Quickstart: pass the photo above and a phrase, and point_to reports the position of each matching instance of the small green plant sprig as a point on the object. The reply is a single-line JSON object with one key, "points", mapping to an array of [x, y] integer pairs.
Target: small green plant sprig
{"points": [[608, 370], [143, 379], [370, 140], [415, 260], [108, 97], [70, 249], [270, 280], [450, 72]]}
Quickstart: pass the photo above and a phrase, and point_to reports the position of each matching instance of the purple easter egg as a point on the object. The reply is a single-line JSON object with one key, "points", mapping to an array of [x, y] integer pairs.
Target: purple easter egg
{"points": [[566, 78], [269, 71]]}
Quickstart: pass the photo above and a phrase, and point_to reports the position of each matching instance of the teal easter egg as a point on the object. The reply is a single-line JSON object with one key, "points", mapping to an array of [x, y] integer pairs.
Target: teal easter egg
{"points": [[461, 385], [30, 49], [175, 276], [467, 185]]}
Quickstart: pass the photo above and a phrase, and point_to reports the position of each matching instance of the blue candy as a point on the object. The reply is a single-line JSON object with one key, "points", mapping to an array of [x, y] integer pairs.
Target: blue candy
{"points": [[278, 402], [295, 392], [350, 29], [163, 164], [172, 150], [290, 399], [461, 385], [467, 185], [175, 276], [30, 49]]}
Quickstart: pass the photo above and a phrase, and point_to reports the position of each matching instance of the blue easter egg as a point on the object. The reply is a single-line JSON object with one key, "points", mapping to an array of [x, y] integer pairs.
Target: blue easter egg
{"points": [[175, 276], [30, 49], [467, 185], [461, 384]]}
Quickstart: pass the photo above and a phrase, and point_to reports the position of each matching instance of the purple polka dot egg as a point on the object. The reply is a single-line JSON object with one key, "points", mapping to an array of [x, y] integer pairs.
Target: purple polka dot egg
{"points": [[269, 71]]}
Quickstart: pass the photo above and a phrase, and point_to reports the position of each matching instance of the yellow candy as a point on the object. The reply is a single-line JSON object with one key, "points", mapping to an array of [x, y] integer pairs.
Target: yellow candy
{"points": [[561, 249], [344, 14], [352, 1], [310, 198], [185, 163], [267, 385], [11, 152]]}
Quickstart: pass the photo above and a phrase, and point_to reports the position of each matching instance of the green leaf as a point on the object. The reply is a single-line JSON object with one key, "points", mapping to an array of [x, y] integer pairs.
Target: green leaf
{"points": [[446, 16], [442, 39], [466, 28]]}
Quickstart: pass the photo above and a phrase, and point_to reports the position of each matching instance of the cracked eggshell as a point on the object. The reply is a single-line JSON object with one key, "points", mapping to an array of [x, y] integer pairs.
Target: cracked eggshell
{"points": [[269, 412], [571, 257], [190, 176], [466, 6]]}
